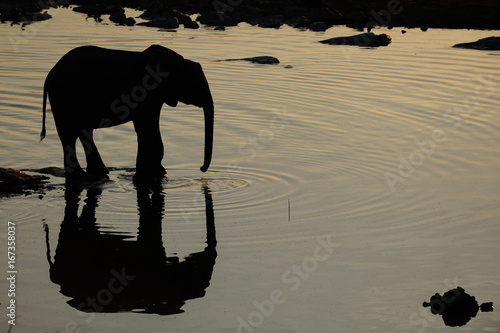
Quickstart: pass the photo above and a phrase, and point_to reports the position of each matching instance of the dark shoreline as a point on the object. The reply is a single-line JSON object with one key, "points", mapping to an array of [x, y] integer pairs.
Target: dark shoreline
{"points": [[452, 14]]}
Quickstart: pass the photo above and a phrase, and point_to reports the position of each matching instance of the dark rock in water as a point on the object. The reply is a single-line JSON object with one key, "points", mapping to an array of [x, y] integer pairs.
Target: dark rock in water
{"points": [[156, 12], [130, 21], [120, 18], [182, 18], [317, 26], [220, 28], [247, 13], [368, 39], [40, 16], [217, 19], [160, 17], [312, 14], [298, 22], [112, 10], [258, 60], [90, 10], [191, 25], [165, 23], [456, 306], [271, 21], [117, 17], [54, 171], [488, 43]]}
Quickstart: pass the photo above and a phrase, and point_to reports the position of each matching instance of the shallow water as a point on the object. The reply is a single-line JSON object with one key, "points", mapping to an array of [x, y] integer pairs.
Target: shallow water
{"points": [[302, 158]]}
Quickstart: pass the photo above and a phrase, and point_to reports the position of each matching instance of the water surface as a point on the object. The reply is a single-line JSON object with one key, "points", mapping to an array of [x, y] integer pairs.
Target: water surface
{"points": [[390, 155]]}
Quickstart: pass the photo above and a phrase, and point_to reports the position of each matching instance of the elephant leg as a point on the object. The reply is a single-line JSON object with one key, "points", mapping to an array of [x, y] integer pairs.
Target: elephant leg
{"points": [[150, 149], [95, 165], [72, 168]]}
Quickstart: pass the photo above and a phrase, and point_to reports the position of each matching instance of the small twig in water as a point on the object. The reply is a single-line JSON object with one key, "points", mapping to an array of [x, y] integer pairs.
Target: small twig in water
{"points": [[288, 210]]}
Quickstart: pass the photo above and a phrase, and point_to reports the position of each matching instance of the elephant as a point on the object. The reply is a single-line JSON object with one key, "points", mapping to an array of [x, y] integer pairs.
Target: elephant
{"points": [[106, 272], [93, 87]]}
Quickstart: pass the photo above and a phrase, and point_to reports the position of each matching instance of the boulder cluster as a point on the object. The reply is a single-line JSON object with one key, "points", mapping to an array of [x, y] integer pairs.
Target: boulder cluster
{"points": [[315, 15], [28, 11]]}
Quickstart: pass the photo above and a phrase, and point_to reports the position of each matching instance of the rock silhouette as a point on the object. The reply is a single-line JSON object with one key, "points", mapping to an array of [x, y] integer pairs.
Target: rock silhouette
{"points": [[488, 43], [257, 60], [456, 306], [368, 39]]}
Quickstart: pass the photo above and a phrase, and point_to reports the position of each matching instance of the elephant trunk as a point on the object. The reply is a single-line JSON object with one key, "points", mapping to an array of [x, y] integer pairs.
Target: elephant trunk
{"points": [[208, 111]]}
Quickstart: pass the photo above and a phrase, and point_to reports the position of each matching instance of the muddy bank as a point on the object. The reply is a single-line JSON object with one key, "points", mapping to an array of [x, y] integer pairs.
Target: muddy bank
{"points": [[315, 15], [16, 182]]}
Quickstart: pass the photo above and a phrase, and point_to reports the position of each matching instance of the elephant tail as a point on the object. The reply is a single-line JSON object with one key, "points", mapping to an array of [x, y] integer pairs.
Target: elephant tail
{"points": [[44, 110]]}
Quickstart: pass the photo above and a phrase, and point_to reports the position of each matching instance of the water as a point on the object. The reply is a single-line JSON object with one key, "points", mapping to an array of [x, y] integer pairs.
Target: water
{"points": [[390, 155]]}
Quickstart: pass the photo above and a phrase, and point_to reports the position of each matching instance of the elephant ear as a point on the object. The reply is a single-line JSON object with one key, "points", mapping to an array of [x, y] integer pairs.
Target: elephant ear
{"points": [[162, 60]]}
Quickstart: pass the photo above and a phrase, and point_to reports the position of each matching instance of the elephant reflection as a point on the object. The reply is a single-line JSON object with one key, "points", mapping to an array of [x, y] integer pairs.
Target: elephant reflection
{"points": [[104, 272]]}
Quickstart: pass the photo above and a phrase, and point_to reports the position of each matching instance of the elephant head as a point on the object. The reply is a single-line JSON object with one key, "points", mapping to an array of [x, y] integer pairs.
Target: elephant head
{"points": [[185, 83]]}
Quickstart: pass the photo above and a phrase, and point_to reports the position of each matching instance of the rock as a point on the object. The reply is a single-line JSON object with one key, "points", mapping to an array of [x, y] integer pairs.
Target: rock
{"points": [[234, 14], [271, 21], [90, 10], [248, 13], [160, 17], [488, 43], [156, 12], [165, 23], [129, 21], [217, 19], [317, 26], [120, 18], [355, 17], [191, 25], [298, 22], [220, 28], [182, 18], [54, 171], [47, 4], [258, 60], [117, 17], [112, 9], [368, 39], [456, 307], [41, 16], [314, 14]]}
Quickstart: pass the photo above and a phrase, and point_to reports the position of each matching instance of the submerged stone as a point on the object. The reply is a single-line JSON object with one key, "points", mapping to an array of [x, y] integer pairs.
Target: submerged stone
{"points": [[258, 60], [368, 39], [488, 43]]}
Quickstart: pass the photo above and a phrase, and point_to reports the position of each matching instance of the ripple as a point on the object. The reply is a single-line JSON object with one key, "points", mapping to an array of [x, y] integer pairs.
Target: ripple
{"points": [[250, 188]]}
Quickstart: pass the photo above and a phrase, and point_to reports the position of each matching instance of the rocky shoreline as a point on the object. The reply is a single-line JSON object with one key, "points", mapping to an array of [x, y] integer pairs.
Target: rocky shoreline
{"points": [[315, 15]]}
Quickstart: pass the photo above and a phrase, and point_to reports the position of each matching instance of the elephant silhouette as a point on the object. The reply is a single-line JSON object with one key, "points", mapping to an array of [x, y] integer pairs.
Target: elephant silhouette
{"points": [[92, 87], [103, 272]]}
